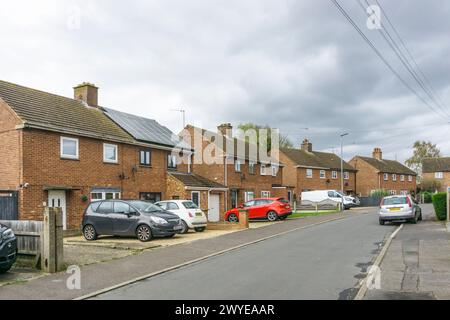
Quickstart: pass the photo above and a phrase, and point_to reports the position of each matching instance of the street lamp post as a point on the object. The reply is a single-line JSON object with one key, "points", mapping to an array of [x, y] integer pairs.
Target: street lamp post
{"points": [[342, 169]]}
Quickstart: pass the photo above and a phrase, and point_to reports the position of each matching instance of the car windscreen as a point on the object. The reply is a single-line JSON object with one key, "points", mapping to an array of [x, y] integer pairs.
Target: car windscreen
{"points": [[394, 201], [145, 206], [190, 205]]}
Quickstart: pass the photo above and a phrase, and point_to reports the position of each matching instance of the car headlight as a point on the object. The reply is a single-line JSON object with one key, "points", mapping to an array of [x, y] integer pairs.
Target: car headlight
{"points": [[8, 234], [158, 220]]}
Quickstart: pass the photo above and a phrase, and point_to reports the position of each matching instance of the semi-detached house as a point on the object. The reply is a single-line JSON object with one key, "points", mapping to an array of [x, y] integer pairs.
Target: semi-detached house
{"points": [[63, 152], [437, 169]]}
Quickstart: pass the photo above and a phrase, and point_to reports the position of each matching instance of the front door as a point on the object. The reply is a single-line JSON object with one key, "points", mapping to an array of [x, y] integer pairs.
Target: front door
{"points": [[214, 208], [57, 199]]}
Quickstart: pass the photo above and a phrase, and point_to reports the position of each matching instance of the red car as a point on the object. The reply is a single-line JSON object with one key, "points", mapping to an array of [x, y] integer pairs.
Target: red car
{"points": [[263, 208]]}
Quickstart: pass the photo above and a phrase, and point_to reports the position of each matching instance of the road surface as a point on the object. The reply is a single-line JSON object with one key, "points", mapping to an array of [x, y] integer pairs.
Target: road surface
{"points": [[321, 262]]}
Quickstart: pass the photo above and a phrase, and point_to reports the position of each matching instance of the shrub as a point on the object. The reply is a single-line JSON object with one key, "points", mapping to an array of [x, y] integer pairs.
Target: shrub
{"points": [[427, 197], [379, 193], [440, 205]]}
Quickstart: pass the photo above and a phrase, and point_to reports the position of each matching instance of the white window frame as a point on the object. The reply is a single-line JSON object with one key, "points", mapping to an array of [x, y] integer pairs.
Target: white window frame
{"points": [[439, 175], [402, 177], [334, 175], [246, 196], [251, 167], [309, 173], [386, 176], [404, 192], [116, 195], [263, 169], [238, 166], [323, 174], [105, 145], [69, 156], [274, 170], [410, 178], [394, 177], [265, 194], [199, 199], [346, 175], [393, 192]]}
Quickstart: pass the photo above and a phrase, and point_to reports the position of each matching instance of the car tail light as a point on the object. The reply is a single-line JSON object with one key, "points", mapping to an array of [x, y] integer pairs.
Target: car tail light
{"points": [[190, 215], [382, 202], [409, 202]]}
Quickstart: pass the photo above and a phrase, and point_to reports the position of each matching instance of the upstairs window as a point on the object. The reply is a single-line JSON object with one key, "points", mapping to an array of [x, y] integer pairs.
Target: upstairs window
{"points": [[274, 171], [110, 153], [386, 176], [237, 166], [145, 157], [323, 174], [346, 175], [309, 173], [263, 169], [439, 175], [402, 177], [251, 167], [410, 178], [394, 177], [334, 175], [171, 161], [69, 148]]}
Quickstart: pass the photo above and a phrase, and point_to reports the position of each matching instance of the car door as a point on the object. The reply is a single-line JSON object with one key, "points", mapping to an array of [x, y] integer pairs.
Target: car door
{"points": [[250, 207], [124, 219], [102, 219], [334, 196], [260, 209]]}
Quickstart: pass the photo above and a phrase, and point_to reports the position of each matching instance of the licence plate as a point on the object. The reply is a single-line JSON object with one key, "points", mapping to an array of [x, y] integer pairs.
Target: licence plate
{"points": [[177, 228], [198, 214], [394, 209]]}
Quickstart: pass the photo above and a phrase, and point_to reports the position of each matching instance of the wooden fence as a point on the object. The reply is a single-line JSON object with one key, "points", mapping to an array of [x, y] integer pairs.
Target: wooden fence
{"points": [[28, 235]]}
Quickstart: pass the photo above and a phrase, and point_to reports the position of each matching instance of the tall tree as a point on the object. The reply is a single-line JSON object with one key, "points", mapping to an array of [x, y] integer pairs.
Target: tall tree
{"points": [[284, 140], [422, 150]]}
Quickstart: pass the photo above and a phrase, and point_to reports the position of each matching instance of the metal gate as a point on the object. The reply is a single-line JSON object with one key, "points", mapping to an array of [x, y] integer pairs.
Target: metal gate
{"points": [[9, 209]]}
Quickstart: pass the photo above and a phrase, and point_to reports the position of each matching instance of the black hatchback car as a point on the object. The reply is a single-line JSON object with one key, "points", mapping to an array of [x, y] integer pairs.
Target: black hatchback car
{"points": [[129, 218], [8, 248]]}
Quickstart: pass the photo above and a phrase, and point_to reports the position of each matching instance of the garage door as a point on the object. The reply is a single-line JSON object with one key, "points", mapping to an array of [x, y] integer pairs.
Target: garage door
{"points": [[8, 205]]}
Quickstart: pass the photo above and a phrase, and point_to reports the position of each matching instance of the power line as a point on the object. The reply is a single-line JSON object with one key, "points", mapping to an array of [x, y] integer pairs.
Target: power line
{"points": [[378, 53], [403, 59]]}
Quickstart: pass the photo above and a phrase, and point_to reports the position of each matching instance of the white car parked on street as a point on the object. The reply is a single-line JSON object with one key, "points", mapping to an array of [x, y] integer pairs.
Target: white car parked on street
{"points": [[191, 215]]}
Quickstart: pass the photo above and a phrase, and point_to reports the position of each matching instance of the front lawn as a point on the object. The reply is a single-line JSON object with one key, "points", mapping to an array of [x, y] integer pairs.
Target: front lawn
{"points": [[302, 214]]}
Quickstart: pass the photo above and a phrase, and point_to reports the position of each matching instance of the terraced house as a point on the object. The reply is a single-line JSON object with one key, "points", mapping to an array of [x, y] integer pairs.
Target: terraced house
{"points": [[378, 173], [437, 169], [306, 169], [245, 176], [63, 152]]}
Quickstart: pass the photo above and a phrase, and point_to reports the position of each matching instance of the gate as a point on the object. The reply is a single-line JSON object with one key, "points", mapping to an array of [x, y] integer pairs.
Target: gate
{"points": [[9, 209]]}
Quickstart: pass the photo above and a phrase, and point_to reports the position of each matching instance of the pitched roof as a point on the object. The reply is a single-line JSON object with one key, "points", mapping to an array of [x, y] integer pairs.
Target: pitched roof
{"points": [[146, 130], [431, 165], [196, 181], [388, 166], [316, 159], [223, 142], [48, 111]]}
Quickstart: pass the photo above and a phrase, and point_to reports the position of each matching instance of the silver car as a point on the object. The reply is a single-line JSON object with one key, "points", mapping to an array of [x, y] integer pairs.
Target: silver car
{"points": [[399, 208]]}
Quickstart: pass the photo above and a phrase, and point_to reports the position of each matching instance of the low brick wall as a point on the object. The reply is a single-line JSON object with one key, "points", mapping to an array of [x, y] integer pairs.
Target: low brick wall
{"points": [[225, 226]]}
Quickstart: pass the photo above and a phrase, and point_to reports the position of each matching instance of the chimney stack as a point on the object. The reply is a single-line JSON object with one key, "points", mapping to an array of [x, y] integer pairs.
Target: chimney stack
{"points": [[377, 154], [306, 145], [86, 92], [225, 129]]}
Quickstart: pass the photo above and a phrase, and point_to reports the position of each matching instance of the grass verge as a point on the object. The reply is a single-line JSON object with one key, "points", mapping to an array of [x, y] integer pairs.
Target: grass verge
{"points": [[302, 214]]}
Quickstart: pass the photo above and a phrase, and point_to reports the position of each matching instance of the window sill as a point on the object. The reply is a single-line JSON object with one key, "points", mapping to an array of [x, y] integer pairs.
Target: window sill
{"points": [[145, 166], [69, 158], [108, 162]]}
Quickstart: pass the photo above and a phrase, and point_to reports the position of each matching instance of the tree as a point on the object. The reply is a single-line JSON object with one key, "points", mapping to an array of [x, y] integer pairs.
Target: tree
{"points": [[422, 150], [430, 185], [284, 140]]}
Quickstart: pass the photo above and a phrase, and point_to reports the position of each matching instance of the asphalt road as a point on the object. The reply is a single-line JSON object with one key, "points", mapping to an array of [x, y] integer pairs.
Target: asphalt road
{"points": [[321, 262]]}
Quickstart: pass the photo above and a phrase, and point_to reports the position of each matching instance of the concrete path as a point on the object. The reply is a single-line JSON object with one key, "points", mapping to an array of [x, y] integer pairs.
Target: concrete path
{"points": [[417, 264], [99, 276], [322, 262]]}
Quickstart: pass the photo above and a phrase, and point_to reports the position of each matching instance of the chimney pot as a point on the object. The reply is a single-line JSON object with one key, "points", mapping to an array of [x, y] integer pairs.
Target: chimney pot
{"points": [[306, 145], [225, 129], [377, 154], [86, 92]]}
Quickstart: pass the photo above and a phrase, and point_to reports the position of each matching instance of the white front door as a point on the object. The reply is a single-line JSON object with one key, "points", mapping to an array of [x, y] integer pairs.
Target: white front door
{"points": [[57, 199], [214, 208]]}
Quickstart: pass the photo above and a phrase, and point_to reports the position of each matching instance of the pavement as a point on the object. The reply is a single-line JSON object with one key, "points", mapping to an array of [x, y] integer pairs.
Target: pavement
{"points": [[417, 264], [324, 261], [102, 275]]}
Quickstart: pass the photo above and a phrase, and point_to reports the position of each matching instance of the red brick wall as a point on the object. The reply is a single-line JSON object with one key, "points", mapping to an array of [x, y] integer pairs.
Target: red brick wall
{"points": [[10, 155], [43, 167], [316, 183], [445, 181]]}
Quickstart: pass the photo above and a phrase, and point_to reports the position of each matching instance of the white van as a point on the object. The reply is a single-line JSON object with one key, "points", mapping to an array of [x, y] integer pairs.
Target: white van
{"points": [[321, 195]]}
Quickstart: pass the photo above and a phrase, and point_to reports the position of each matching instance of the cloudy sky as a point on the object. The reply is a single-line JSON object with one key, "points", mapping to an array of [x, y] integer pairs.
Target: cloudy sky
{"points": [[290, 64]]}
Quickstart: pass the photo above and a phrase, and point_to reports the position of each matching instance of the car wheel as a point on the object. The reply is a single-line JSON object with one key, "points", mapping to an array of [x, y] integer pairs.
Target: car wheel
{"points": [[200, 229], [382, 222], [272, 216], [144, 233], [89, 233], [233, 218], [185, 227], [420, 217]]}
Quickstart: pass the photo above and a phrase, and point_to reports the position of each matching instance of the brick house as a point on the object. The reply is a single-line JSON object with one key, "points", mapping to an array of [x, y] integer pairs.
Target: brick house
{"points": [[246, 177], [58, 151], [378, 173], [306, 169], [207, 194], [437, 169]]}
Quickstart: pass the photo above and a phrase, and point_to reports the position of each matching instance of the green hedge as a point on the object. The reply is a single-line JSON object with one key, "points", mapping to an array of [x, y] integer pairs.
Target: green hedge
{"points": [[440, 205], [379, 193], [427, 197]]}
